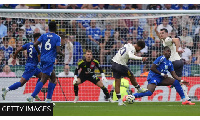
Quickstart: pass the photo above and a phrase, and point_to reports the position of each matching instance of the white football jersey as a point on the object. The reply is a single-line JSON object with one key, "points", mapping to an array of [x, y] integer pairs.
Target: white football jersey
{"points": [[174, 55], [123, 54]]}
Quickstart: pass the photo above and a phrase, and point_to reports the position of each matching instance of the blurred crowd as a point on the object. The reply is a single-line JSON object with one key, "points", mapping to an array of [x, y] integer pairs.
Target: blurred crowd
{"points": [[103, 37]]}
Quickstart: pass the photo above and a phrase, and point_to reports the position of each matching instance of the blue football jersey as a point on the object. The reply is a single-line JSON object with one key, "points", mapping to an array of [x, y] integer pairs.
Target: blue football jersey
{"points": [[31, 53], [48, 50], [163, 65]]}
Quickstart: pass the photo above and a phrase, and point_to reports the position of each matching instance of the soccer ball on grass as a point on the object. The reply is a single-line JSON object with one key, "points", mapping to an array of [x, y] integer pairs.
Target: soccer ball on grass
{"points": [[130, 99]]}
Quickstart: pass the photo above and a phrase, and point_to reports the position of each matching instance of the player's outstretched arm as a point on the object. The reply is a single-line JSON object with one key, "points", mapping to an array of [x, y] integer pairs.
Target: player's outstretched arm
{"points": [[177, 78], [15, 55], [36, 47], [101, 71], [155, 29], [177, 43], [59, 51]]}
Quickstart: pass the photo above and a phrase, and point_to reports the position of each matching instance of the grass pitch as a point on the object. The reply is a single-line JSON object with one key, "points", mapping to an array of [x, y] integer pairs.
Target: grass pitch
{"points": [[135, 109]]}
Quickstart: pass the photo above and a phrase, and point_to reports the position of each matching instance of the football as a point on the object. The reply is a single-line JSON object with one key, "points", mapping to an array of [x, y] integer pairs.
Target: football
{"points": [[130, 99]]}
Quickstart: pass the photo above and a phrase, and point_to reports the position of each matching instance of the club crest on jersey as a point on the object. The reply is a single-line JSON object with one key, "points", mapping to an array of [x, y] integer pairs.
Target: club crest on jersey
{"points": [[92, 65]]}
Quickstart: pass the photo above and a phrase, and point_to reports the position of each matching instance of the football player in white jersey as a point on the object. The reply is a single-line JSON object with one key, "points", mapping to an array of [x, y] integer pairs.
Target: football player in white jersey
{"points": [[120, 68], [173, 44]]}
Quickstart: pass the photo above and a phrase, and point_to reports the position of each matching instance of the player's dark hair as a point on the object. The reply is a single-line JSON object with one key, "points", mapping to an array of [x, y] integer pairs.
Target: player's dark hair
{"points": [[141, 44], [36, 35], [164, 29], [52, 26], [165, 48]]}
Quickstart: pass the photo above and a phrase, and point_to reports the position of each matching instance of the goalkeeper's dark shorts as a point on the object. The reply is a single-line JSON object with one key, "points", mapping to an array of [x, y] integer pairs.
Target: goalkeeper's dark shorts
{"points": [[92, 78], [120, 71], [178, 67]]}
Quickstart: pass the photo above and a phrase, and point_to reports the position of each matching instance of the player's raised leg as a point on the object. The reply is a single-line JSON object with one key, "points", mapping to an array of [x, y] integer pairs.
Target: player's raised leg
{"points": [[13, 87]]}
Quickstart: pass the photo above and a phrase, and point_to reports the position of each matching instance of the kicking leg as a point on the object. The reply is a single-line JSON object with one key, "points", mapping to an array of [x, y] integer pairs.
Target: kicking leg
{"points": [[13, 87], [151, 88]]}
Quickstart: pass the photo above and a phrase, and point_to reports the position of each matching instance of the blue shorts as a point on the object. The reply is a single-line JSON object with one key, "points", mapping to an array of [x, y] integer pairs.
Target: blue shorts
{"points": [[47, 67], [155, 80], [30, 71]]}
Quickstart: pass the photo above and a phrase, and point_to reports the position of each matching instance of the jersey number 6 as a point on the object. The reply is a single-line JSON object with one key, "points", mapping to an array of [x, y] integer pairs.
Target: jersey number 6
{"points": [[48, 45]]}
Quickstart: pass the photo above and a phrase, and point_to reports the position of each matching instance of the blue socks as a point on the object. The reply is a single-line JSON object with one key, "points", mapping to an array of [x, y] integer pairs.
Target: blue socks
{"points": [[38, 87], [51, 87], [179, 89], [15, 86], [138, 95]]}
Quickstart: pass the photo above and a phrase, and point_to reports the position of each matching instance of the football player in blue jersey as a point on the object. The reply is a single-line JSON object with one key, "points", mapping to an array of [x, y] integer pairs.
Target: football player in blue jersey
{"points": [[30, 67], [51, 43], [158, 77]]}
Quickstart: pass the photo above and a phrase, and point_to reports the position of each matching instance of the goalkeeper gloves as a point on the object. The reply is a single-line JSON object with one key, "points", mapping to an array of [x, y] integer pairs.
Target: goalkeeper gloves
{"points": [[75, 79], [103, 77]]}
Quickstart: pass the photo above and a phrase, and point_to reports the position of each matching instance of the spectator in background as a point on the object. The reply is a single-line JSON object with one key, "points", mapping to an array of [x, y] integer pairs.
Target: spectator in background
{"points": [[128, 7], [72, 6], [136, 27], [88, 6], [135, 37], [150, 27], [41, 24], [180, 7], [196, 39], [107, 45], [114, 6], [101, 7], [196, 56], [123, 31], [146, 70], [94, 35], [14, 29], [66, 72], [77, 49], [2, 60], [139, 7], [62, 6], [7, 72], [3, 31], [6, 6], [176, 26], [167, 7], [28, 29], [11, 40], [68, 51], [194, 7], [21, 36], [186, 38], [108, 28], [154, 7], [22, 6], [187, 54], [165, 24], [148, 40], [8, 50]]}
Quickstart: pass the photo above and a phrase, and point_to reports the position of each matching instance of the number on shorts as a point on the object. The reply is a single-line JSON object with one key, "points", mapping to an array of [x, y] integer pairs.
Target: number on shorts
{"points": [[48, 45], [122, 50], [31, 51]]}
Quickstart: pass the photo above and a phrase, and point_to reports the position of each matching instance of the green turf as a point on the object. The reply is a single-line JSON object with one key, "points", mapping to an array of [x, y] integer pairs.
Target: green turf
{"points": [[136, 109]]}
